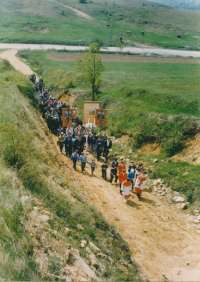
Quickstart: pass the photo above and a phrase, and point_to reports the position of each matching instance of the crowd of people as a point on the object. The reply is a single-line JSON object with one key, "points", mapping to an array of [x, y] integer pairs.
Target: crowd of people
{"points": [[77, 141]]}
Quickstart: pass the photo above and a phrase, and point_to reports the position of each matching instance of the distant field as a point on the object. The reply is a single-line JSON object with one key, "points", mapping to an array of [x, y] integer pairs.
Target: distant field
{"points": [[43, 21]]}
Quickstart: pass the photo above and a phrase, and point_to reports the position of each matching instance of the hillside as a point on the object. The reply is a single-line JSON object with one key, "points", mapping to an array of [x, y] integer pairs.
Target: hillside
{"points": [[72, 23], [44, 218], [181, 4]]}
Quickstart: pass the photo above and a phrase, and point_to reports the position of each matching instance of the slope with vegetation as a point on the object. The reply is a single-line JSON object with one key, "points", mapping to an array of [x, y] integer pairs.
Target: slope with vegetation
{"points": [[53, 22], [163, 111], [43, 218]]}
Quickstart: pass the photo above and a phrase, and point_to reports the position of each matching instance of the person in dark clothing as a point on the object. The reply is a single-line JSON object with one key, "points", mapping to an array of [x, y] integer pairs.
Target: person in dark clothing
{"points": [[104, 170], [115, 163], [132, 166], [107, 146], [113, 174], [79, 145], [83, 141], [75, 143], [68, 145], [93, 143], [99, 146], [89, 142]]}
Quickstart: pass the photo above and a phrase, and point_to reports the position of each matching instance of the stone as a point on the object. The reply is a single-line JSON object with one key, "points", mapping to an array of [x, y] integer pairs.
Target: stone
{"points": [[80, 227], [44, 217], [155, 161], [196, 211], [83, 243], [182, 206], [67, 230], [198, 217], [179, 199], [186, 173], [94, 247], [24, 199], [196, 221], [92, 258]]}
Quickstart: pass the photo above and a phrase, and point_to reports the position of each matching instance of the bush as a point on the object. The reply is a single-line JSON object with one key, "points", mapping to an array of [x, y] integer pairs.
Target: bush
{"points": [[173, 146]]}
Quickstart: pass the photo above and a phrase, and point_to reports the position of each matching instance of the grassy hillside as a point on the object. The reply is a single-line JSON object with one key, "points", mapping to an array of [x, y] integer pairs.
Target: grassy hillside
{"points": [[156, 101], [52, 22], [38, 204]]}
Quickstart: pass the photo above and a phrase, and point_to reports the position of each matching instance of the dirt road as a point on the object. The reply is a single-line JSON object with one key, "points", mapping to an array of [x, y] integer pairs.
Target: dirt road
{"points": [[161, 238], [132, 50], [10, 55], [163, 241]]}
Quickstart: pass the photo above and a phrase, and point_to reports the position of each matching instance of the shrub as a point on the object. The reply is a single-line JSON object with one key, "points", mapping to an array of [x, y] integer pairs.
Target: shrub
{"points": [[173, 146]]}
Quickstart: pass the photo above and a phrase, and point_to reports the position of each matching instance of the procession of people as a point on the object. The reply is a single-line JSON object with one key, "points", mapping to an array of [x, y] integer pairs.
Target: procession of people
{"points": [[78, 141]]}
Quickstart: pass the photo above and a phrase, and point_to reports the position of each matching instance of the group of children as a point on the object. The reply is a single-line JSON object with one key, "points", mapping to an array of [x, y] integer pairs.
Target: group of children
{"points": [[132, 179]]}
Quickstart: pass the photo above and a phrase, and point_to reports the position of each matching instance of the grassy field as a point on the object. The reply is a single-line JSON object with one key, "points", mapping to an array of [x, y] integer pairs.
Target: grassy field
{"points": [[156, 100], [51, 22], [28, 170]]}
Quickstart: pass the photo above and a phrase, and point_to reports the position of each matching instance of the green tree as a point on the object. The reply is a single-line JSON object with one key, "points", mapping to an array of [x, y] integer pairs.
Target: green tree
{"points": [[90, 66]]}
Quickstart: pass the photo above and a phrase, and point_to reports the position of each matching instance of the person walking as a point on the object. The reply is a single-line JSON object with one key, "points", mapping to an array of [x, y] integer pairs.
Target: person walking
{"points": [[68, 145], [74, 158], [115, 163], [121, 165], [93, 165], [83, 160], [139, 183], [126, 188], [61, 139], [113, 174], [132, 166], [104, 167], [99, 147], [107, 146], [131, 176], [122, 177]]}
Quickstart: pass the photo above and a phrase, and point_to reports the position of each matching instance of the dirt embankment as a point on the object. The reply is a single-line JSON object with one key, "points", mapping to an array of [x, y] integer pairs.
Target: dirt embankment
{"points": [[163, 241]]}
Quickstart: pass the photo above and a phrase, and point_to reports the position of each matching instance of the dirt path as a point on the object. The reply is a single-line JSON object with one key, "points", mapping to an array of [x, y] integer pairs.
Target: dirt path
{"points": [[162, 239], [10, 55], [76, 11]]}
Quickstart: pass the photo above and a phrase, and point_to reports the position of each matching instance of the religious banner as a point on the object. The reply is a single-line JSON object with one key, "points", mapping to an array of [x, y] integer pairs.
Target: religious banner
{"points": [[90, 111], [67, 115], [100, 117]]}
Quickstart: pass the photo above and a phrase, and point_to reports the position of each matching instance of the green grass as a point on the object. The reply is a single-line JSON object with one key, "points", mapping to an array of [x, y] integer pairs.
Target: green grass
{"points": [[49, 22]]}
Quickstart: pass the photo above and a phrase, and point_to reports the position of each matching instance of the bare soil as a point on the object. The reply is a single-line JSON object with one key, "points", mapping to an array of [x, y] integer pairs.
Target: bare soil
{"points": [[163, 241], [191, 153], [76, 11]]}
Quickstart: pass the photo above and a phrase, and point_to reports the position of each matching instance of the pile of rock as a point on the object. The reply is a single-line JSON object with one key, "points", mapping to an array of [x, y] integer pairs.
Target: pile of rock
{"points": [[161, 190]]}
